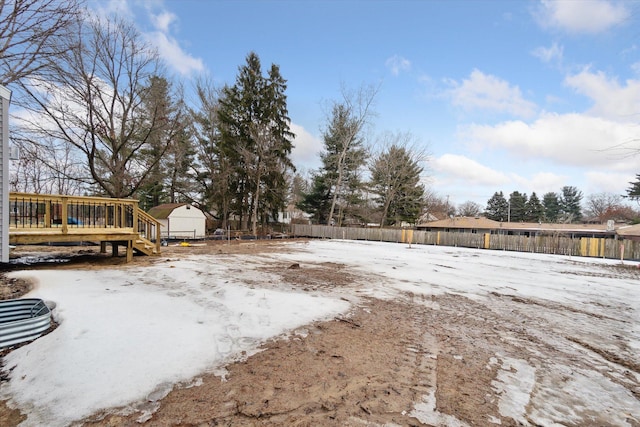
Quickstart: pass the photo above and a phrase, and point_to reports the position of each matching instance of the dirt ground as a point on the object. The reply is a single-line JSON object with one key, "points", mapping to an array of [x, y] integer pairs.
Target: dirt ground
{"points": [[368, 368]]}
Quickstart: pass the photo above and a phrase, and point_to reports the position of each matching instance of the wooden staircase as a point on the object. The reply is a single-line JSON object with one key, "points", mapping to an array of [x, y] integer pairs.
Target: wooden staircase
{"points": [[146, 247], [148, 228]]}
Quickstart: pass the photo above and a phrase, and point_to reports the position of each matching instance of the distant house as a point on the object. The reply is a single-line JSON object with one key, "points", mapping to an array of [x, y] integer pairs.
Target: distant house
{"points": [[180, 221], [292, 214], [629, 232], [481, 225]]}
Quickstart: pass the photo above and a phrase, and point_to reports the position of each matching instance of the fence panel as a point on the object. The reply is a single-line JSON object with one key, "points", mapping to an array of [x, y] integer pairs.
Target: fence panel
{"points": [[545, 244]]}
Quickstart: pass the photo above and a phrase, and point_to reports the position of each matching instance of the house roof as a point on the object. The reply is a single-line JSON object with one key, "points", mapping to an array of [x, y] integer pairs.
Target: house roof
{"points": [[488, 224], [629, 230], [463, 222], [163, 211]]}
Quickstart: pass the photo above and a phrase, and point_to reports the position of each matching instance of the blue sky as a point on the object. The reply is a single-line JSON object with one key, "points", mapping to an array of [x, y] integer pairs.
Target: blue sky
{"points": [[505, 95]]}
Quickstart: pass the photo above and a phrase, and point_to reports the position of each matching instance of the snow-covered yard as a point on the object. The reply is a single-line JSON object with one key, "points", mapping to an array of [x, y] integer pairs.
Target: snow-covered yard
{"points": [[128, 335]]}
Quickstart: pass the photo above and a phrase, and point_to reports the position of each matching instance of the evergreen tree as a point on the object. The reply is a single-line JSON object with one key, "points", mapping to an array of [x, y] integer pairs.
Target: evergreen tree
{"points": [[517, 207], [633, 192], [213, 173], [339, 178], [317, 201], [255, 138], [178, 163], [395, 179], [534, 209], [497, 207], [570, 204], [345, 154], [168, 142], [551, 204]]}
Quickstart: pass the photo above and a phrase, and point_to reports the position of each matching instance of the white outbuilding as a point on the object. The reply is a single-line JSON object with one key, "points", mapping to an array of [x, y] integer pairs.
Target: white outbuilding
{"points": [[180, 221]]}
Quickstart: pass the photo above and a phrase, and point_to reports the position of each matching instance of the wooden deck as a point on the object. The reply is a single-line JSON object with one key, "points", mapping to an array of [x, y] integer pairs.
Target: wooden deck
{"points": [[43, 218]]}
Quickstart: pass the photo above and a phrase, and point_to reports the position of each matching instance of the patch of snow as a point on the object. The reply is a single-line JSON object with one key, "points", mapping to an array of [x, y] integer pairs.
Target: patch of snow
{"points": [[514, 384], [426, 413], [129, 335], [579, 394], [126, 335]]}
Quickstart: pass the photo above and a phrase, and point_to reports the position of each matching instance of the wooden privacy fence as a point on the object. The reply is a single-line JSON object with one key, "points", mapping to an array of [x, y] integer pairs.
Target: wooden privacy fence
{"points": [[543, 243]]}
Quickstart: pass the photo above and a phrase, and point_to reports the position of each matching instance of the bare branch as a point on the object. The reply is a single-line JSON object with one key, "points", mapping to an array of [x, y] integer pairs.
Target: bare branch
{"points": [[30, 34]]}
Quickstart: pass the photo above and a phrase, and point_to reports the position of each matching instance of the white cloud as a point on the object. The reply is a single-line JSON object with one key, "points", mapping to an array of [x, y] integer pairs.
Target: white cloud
{"points": [[608, 182], [611, 99], [113, 7], [464, 169], [170, 50], [592, 16], [569, 139], [163, 20], [543, 182], [486, 92], [397, 64], [552, 53], [306, 148]]}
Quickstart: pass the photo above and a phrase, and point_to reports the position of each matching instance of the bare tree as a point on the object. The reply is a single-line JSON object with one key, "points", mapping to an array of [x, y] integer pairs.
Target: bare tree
{"points": [[609, 206], [92, 98], [357, 107], [436, 206], [469, 208], [31, 33], [46, 167]]}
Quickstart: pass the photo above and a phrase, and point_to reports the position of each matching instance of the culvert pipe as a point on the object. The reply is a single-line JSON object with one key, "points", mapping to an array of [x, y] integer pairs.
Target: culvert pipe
{"points": [[22, 320]]}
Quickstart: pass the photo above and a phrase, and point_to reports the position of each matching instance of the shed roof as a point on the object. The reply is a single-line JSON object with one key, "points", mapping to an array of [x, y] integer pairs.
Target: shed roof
{"points": [[163, 211]]}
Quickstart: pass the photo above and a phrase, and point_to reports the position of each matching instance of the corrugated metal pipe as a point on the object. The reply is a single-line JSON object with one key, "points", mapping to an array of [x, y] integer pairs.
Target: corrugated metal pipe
{"points": [[22, 320]]}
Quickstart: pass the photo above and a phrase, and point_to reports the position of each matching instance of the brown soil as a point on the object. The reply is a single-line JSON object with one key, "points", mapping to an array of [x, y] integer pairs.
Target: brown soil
{"points": [[369, 367]]}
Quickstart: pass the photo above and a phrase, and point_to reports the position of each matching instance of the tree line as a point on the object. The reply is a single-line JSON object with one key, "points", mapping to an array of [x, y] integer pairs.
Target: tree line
{"points": [[566, 206], [100, 116]]}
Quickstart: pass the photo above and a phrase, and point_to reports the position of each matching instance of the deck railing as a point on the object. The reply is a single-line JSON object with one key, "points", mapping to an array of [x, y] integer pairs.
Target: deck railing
{"points": [[34, 213], [28, 211]]}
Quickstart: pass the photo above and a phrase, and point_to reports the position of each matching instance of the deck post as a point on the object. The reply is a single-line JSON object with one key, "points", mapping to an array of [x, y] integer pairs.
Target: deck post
{"points": [[129, 250], [135, 216], [47, 213], [65, 219], [103, 247]]}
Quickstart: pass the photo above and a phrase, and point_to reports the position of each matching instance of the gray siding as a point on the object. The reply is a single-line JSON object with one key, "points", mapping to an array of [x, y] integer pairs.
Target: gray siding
{"points": [[5, 99]]}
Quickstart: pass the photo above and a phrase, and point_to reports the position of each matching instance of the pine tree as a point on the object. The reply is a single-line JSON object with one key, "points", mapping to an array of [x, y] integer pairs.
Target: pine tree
{"points": [[551, 204], [166, 136], [497, 207], [343, 158], [255, 138], [534, 209], [395, 179], [633, 192], [517, 207], [317, 201], [570, 204]]}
